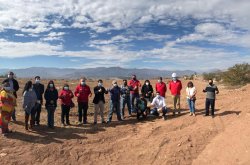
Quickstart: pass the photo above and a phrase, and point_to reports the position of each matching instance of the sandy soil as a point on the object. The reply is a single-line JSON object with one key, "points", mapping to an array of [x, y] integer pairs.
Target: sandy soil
{"points": [[181, 139]]}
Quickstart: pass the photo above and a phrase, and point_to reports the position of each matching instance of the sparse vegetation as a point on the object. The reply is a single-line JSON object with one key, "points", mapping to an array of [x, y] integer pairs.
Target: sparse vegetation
{"points": [[239, 74], [213, 75]]}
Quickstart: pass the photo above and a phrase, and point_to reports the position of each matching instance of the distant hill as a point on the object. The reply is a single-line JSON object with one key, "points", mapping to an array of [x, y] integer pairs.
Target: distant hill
{"points": [[100, 72]]}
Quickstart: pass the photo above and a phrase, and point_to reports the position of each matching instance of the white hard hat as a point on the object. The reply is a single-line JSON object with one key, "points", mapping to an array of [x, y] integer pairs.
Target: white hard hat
{"points": [[174, 75]]}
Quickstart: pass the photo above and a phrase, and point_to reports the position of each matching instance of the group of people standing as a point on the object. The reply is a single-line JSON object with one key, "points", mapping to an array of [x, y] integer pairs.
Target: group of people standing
{"points": [[128, 94]]}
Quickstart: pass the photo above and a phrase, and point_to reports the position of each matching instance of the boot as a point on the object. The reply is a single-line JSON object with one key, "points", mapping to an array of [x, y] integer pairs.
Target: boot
{"points": [[32, 123], [26, 121]]}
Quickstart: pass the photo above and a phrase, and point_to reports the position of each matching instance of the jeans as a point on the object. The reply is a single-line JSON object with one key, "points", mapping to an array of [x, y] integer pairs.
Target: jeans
{"points": [[114, 106], [38, 108], [82, 111], [65, 113], [210, 102], [99, 106], [51, 112], [125, 100], [132, 100], [191, 105], [155, 112]]}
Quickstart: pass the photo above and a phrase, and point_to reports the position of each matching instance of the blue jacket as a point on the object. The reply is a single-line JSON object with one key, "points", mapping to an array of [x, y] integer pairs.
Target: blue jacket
{"points": [[115, 94]]}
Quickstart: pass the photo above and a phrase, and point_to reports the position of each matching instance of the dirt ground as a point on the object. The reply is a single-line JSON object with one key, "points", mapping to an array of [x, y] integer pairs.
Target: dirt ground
{"points": [[182, 139]]}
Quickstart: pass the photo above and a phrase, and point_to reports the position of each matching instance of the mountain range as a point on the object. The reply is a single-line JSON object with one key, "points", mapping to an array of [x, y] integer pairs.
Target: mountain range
{"points": [[99, 72]]}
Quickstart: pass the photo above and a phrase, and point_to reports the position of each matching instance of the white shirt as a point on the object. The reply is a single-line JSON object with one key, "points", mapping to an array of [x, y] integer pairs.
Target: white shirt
{"points": [[159, 102], [190, 91]]}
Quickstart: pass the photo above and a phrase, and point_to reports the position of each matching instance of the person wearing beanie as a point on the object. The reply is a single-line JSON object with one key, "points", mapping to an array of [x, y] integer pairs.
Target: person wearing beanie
{"points": [[175, 87]]}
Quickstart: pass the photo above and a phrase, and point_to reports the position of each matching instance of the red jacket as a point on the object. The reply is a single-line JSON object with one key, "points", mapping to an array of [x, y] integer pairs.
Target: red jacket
{"points": [[82, 93], [161, 87], [175, 87], [134, 84], [66, 96]]}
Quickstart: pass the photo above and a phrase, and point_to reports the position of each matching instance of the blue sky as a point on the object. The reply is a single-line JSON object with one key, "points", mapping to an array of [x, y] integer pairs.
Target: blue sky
{"points": [[162, 34]]}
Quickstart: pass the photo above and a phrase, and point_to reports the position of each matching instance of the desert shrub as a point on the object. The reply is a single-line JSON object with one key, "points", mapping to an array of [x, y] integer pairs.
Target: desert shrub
{"points": [[213, 75], [239, 74]]}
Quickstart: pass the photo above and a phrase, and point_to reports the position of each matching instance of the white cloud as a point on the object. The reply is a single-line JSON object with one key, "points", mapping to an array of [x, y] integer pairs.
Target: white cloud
{"points": [[19, 35], [36, 16], [54, 36], [19, 49], [215, 33], [223, 22]]}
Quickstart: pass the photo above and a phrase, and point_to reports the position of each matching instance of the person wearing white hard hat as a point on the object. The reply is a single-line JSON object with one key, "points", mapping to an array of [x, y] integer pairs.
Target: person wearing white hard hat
{"points": [[175, 87]]}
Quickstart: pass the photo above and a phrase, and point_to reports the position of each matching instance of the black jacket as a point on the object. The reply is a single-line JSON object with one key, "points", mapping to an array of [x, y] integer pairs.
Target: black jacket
{"points": [[99, 96], [39, 89], [15, 85], [51, 95], [147, 89]]}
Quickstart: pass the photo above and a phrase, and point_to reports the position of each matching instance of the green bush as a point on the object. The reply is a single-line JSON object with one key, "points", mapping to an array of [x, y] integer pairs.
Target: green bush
{"points": [[213, 75], [239, 74]]}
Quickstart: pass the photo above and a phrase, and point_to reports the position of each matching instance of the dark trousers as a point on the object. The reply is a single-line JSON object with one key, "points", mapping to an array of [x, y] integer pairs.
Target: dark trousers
{"points": [[32, 118], [13, 116], [82, 111], [38, 108], [51, 112], [210, 102], [65, 113]]}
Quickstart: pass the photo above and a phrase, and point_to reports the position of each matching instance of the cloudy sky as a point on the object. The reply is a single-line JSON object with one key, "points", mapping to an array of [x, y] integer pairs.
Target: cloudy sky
{"points": [[163, 34]]}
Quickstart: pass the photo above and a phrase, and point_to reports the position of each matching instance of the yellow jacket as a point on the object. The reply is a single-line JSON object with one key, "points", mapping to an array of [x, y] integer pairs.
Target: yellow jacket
{"points": [[7, 101]]}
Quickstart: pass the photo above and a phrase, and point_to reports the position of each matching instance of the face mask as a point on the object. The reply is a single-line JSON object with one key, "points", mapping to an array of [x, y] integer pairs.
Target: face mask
{"points": [[10, 76], [83, 83], [51, 85], [115, 85], [66, 88], [157, 96], [159, 81], [147, 83], [174, 78], [100, 84], [7, 88], [37, 81], [30, 89]]}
